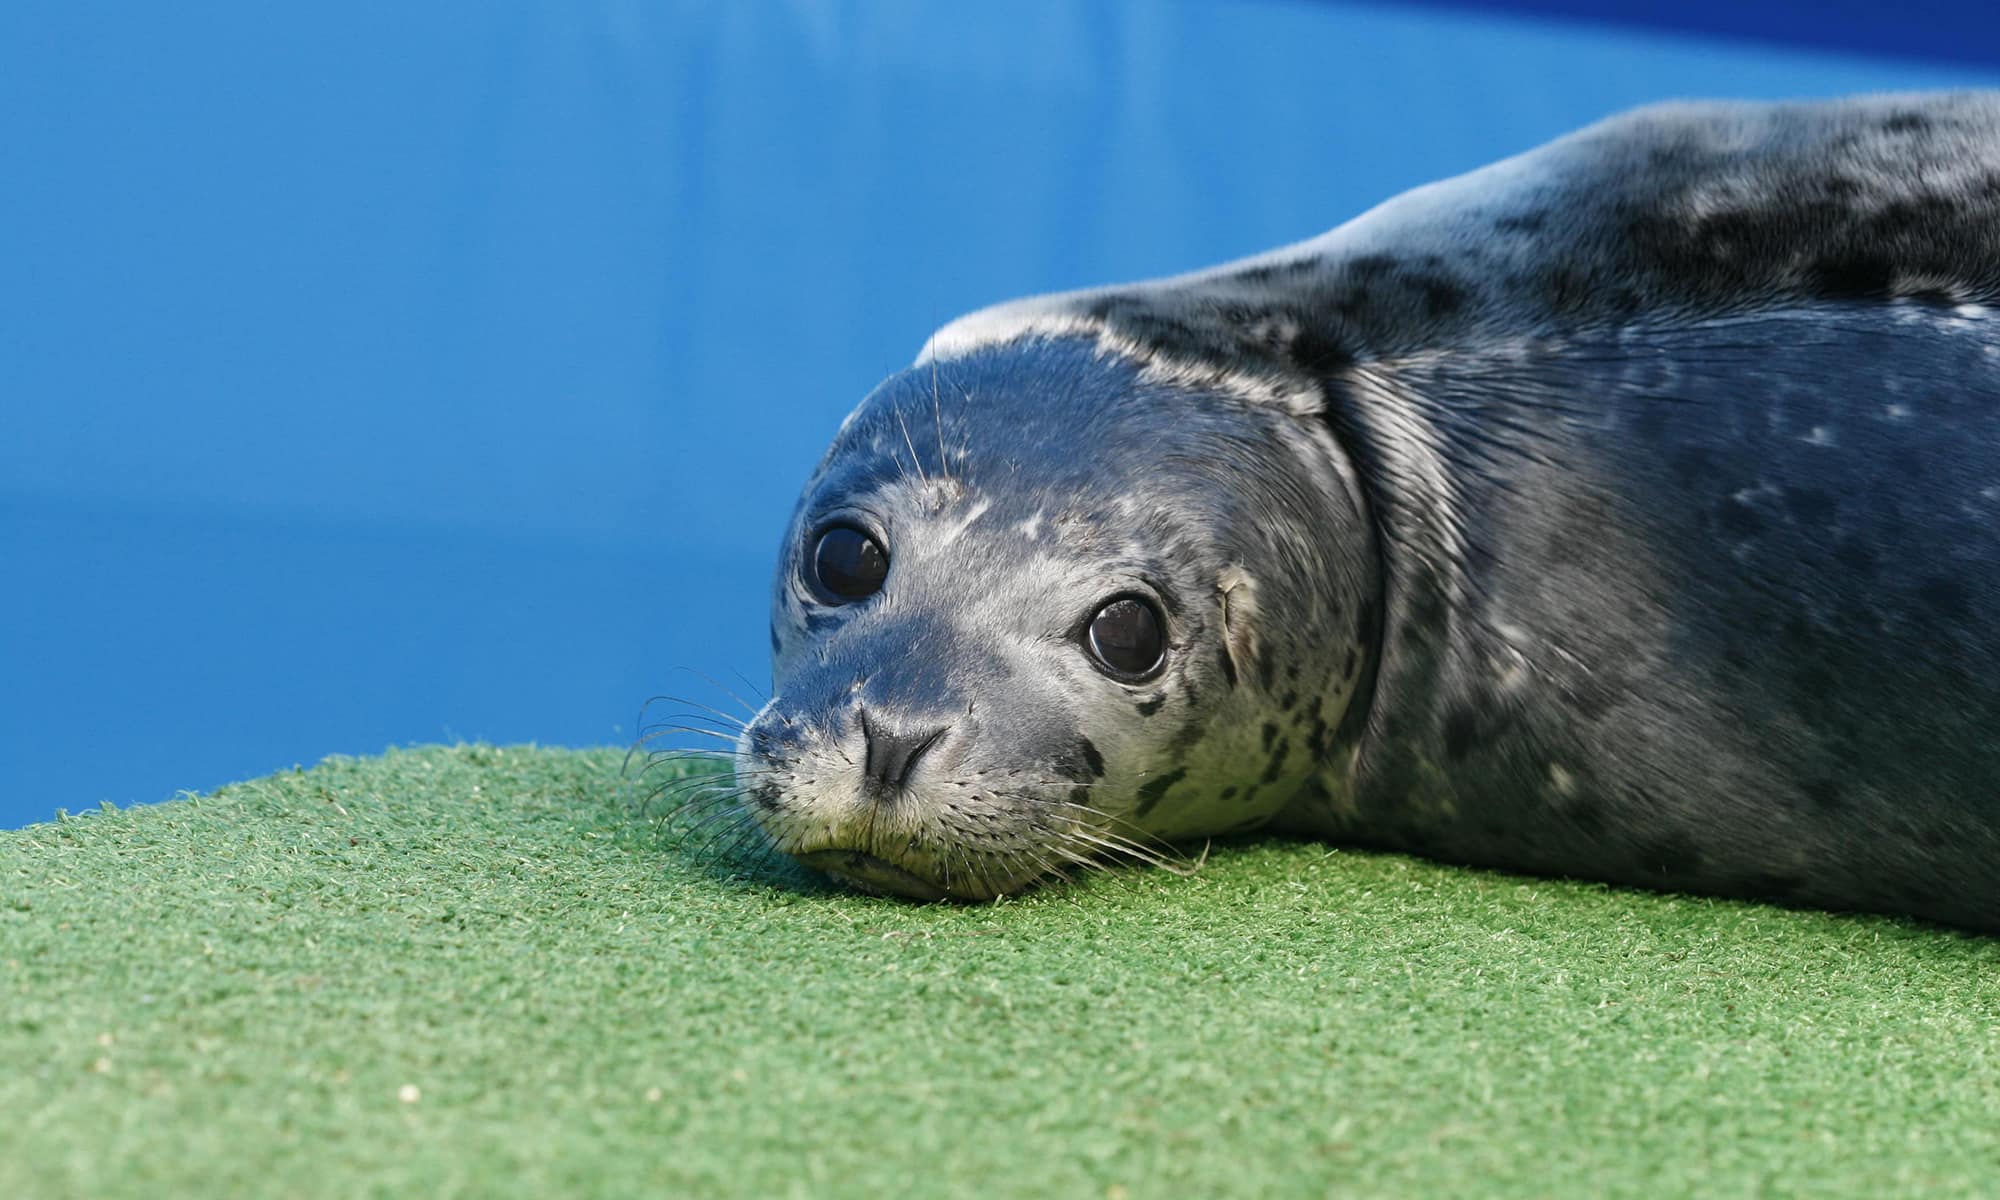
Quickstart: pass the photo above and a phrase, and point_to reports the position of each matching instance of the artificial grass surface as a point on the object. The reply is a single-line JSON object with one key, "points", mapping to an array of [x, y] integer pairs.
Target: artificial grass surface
{"points": [[478, 971]]}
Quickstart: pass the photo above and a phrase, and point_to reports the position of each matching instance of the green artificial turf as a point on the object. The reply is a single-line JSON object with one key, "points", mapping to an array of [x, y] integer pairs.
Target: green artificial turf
{"points": [[477, 971]]}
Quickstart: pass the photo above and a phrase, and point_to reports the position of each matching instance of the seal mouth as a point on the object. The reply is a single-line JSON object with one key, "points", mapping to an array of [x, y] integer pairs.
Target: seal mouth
{"points": [[871, 874]]}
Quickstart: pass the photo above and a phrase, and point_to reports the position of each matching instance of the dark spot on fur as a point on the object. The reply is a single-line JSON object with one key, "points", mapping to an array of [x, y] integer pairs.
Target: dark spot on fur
{"points": [[1347, 665], [1319, 352], [1441, 297], [1906, 122], [1675, 854], [1568, 290], [1148, 707], [1277, 763], [1934, 297], [1188, 735], [1289, 701], [1316, 741], [1229, 793], [1372, 266], [1946, 597], [1102, 308], [1853, 276], [1532, 222], [1270, 736], [1150, 794], [1429, 616], [1093, 762]]}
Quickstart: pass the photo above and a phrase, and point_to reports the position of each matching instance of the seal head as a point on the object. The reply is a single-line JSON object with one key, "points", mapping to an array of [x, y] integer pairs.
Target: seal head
{"points": [[1019, 624]]}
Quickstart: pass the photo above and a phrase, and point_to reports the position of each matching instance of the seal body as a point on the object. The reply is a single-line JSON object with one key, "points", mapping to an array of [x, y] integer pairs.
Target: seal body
{"points": [[1629, 509]]}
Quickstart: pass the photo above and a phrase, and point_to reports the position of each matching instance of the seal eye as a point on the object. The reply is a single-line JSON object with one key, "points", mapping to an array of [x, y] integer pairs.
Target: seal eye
{"points": [[848, 565], [1124, 637]]}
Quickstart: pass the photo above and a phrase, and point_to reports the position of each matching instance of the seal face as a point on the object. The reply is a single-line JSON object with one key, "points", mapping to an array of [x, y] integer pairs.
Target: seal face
{"points": [[1629, 509], [1061, 656]]}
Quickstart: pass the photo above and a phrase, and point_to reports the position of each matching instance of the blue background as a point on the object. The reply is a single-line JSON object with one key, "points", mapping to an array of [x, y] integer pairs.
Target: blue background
{"points": [[376, 373]]}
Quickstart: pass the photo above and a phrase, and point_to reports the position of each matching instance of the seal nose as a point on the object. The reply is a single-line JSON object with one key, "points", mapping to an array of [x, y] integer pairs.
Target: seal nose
{"points": [[893, 752]]}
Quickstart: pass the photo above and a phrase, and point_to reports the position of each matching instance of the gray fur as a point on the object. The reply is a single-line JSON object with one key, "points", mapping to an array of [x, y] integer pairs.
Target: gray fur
{"points": [[1626, 510]]}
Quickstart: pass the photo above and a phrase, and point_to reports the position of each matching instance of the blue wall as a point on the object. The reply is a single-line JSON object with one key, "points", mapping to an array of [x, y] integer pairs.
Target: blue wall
{"points": [[378, 373]]}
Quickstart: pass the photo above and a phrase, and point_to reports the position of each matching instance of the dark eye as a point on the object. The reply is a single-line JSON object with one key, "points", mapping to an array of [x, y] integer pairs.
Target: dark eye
{"points": [[1125, 639], [847, 565]]}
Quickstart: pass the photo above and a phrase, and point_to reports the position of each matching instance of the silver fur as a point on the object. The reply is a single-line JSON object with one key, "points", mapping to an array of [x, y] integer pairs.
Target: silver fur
{"points": [[1628, 509]]}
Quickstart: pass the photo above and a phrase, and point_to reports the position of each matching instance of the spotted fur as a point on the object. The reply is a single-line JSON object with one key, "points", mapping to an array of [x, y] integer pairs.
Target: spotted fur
{"points": [[1627, 509]]}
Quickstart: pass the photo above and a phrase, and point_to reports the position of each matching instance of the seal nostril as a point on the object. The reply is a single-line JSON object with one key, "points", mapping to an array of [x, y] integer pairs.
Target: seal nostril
{"points": [[893, 753]]}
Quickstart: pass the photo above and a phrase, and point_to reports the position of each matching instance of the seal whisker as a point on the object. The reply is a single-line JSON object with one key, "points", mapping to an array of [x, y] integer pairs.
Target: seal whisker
{"points": [[685, 755], [738, 838], [1139, 835], [1118, 847], [754, 690], [717, 684], [1098, 867], [907, 441], [710, 809], [660, 731], [739, 722], [687, 765], [715, 713], [728, 776], [672, 721], [656, 758], [937, 416], [702, 796], [719, 778]]}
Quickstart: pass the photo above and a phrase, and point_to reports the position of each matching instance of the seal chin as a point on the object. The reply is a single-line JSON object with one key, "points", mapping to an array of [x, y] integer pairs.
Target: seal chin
{"points": [[871, 874]]}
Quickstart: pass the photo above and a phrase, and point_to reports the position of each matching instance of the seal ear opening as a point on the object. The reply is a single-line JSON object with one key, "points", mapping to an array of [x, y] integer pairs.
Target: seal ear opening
{"points": [[1238, 592]]}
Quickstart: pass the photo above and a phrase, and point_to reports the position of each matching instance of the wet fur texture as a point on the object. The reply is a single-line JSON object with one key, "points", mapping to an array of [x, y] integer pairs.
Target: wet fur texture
{"points": [[1629, 509]]}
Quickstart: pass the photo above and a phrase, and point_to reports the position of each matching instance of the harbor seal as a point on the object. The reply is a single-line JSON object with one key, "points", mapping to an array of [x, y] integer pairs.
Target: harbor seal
{"points": [[1628, 510]]}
